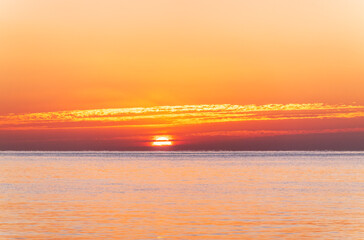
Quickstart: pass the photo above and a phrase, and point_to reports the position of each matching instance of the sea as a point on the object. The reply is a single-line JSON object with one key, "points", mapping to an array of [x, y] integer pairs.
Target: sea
{"points": [[181, 195]]}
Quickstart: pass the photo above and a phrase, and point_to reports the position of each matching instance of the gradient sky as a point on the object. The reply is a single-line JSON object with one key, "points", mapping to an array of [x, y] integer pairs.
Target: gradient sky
{"points": [[59, 59]]}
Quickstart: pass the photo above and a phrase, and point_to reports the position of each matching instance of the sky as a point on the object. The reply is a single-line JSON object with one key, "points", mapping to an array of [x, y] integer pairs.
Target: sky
{"points": [[208, 75]]}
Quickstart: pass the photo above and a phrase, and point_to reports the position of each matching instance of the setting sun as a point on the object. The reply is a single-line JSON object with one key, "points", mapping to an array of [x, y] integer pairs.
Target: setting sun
{"points": [[162, 141]]}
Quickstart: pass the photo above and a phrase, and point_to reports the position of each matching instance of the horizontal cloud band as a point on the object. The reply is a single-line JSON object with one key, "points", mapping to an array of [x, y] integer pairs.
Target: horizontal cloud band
{"points": [[177, 115]]}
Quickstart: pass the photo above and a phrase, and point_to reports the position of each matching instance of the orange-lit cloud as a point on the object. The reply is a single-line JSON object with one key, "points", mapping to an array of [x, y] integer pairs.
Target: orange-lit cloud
{"points": [[178, 115]]}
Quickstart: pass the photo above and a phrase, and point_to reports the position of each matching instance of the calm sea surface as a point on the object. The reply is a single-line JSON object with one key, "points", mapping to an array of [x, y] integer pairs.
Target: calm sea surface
{"points": [[181, 195]]}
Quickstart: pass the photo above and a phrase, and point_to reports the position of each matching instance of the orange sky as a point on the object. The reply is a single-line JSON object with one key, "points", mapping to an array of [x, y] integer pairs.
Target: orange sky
{"points": [[79, 55]]}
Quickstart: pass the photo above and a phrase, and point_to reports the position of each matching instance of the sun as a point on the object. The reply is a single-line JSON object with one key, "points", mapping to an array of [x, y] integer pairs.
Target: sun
{"points": [[162, 141]]}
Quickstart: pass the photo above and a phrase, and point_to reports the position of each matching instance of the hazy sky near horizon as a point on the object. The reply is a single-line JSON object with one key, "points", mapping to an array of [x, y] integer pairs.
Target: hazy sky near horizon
{"points": [[78, 55]]}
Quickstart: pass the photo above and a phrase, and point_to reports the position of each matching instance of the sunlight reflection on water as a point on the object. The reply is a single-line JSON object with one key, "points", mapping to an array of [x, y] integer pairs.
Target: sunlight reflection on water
{"points": [[181, 195]]}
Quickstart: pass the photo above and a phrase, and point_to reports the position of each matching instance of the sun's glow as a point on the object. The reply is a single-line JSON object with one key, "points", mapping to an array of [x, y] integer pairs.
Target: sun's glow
{"points": [[162, 141]]}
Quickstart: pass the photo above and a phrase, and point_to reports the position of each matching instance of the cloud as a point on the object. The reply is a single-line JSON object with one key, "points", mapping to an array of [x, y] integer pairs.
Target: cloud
{"points": [[160, 116]]}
